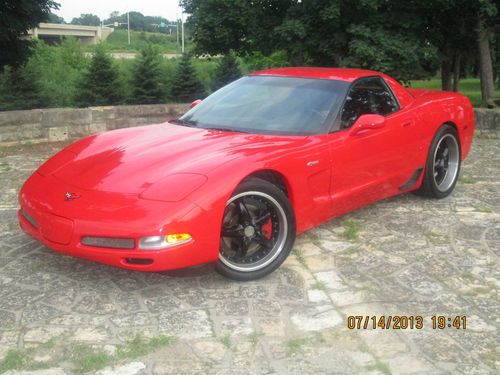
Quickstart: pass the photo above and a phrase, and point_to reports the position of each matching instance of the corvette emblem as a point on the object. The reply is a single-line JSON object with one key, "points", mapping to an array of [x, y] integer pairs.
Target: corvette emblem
{"points": [[70, 196]]}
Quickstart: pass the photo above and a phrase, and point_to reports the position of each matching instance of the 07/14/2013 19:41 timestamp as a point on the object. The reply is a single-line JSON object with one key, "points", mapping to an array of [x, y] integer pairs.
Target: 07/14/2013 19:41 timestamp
{"points": [[439, 322]]}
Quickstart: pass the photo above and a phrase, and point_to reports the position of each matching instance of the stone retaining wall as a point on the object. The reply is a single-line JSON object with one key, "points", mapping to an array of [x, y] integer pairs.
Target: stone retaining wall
{"points": [[42, 125], [487, 121]]}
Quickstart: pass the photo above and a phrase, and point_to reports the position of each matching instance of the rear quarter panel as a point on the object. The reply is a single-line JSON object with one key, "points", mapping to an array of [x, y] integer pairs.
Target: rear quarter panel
{"points": [[435, 108]]}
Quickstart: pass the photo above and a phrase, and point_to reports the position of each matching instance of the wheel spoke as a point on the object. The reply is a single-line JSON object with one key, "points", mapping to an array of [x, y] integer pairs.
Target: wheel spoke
{"points": [[233, 232], [245, 215], [263, 241], [243, 245], [263, 218]]}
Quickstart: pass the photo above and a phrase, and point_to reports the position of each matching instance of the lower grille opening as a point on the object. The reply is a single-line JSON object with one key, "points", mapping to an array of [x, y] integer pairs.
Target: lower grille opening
{"points": [[112, 243], [139, 261]]}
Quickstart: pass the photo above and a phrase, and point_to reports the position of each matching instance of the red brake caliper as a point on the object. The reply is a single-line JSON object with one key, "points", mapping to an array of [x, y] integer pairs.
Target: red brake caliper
{"points": [[267, 229]]}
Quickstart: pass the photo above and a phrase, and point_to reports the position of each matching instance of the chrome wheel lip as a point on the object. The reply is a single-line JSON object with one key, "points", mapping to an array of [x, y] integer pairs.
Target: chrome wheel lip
{"points": [[453, 163], [277, 248]]}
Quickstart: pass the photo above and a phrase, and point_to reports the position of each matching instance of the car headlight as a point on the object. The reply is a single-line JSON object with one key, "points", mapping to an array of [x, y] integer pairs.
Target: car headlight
{"points": [[174, 187], [164, 242]]}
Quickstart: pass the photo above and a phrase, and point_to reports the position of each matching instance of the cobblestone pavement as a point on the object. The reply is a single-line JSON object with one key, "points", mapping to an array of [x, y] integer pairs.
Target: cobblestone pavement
{"points": [[402, 256]]}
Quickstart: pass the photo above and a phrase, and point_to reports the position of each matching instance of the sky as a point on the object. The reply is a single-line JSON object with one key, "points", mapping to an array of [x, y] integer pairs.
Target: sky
{"points": [[73, 8]]}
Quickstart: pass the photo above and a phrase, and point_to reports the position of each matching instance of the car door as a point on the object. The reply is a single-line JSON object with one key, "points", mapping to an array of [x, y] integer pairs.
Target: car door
{"points": [[372, 164]]}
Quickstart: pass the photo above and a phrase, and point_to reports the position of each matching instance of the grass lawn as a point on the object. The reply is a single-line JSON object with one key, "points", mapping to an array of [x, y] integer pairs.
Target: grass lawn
{"points": [[118, 41], [470, 87]]}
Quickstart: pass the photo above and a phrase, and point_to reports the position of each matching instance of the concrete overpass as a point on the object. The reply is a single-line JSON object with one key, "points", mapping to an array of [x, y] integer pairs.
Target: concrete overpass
{"points": [[86, 34]]}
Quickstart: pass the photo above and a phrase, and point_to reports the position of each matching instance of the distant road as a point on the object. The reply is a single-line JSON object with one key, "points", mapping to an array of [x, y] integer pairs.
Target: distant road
{"points": [[132, 55]]}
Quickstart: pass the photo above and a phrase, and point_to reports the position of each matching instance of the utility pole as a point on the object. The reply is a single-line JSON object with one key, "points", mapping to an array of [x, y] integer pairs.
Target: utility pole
{"points": [[128, 24], [177, 22], [182, 19]]}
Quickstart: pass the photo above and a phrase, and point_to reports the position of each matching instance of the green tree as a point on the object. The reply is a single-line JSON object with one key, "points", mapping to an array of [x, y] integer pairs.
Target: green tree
{"points": [[20, 89], [320, 32], [406, 38], [228, 70], [86, 20], [100, 85], [257, 61], [138, 21], [17, 17], [219, 26], [59, 70], [148, 87], [487, 18], [384, 36], [497, 54], [186, 86], [54, 18], [380, 50]]}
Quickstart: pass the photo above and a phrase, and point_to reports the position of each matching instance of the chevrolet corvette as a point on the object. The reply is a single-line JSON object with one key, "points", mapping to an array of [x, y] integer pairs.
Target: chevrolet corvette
{"points": [[235, 179]]}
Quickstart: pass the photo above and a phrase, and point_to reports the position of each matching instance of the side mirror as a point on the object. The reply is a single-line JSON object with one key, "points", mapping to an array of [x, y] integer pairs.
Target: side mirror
{"points": [[195, 103], [367, 123]]}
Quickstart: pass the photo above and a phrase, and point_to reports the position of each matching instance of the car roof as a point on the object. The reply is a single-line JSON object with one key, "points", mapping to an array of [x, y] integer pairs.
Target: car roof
{"points": [[339, 74]]}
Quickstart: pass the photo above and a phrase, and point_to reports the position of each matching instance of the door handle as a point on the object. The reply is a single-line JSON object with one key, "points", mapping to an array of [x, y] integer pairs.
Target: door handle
{"points": [[406, 124]]}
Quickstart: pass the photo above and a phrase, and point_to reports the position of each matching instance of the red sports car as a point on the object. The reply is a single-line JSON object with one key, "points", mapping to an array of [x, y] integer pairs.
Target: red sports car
{"points": [[236, 178]]}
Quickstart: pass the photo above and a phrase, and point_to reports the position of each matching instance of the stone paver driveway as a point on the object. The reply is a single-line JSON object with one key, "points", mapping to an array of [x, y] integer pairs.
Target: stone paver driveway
{"points": [[404, 256]]}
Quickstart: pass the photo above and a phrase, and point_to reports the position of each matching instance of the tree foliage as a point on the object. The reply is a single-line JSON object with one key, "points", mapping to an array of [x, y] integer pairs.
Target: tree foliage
{"points": [[259, 61], [186, 86], [219, 26], [17, 17], [139, 22], [86, 20], [100, 85], [320, 32], [148, 87], [228, 70], [59, 70], [408, 39], [54, 18], [21, 89]]}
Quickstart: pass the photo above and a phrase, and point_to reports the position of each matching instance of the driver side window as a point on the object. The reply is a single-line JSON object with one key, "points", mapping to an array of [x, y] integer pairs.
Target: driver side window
{"points": [[367, 96]]}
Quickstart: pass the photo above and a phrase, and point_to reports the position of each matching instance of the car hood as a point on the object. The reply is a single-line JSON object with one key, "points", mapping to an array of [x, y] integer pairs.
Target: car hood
{"points": [[132, 160]]}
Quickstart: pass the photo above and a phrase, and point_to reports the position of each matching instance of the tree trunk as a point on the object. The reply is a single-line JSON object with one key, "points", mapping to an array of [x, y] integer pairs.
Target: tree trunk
{"points": [[456, 72], [486, 66], [446, 75]]}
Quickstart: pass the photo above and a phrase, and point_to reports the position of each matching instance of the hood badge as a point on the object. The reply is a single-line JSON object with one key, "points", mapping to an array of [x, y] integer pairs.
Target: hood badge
{"points": [[70, 196]]}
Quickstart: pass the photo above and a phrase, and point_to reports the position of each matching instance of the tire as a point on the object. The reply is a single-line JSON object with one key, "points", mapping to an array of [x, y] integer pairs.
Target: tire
{"points": [[257, 232], [443, 164]]}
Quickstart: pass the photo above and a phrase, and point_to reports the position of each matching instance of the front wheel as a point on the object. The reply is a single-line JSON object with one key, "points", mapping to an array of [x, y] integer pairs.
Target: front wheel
{"points": [[443, 164], [258, 231]]}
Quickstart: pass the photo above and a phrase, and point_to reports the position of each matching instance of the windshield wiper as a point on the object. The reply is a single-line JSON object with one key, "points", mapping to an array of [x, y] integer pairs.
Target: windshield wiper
{"points": [[228, 130], [189, 123]]}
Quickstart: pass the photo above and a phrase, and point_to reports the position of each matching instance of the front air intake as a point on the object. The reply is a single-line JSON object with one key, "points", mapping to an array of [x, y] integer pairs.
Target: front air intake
{"points": [[109, 242]]}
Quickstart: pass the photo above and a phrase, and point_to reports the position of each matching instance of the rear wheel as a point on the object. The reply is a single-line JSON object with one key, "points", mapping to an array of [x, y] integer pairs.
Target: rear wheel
{"points": [[443, 164], [258, 231]]}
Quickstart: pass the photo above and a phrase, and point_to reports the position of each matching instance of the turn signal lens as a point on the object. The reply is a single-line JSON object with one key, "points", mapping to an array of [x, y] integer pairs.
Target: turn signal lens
{"points": [[163, 242], [176, 238]]}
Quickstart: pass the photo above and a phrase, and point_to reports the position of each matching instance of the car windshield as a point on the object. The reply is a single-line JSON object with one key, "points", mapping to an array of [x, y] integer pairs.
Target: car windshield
{"points": [[270, 105]]}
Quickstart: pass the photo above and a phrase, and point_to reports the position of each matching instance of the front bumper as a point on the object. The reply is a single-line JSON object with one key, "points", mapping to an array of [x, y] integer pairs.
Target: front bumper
{"points": [[61, 224]]}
